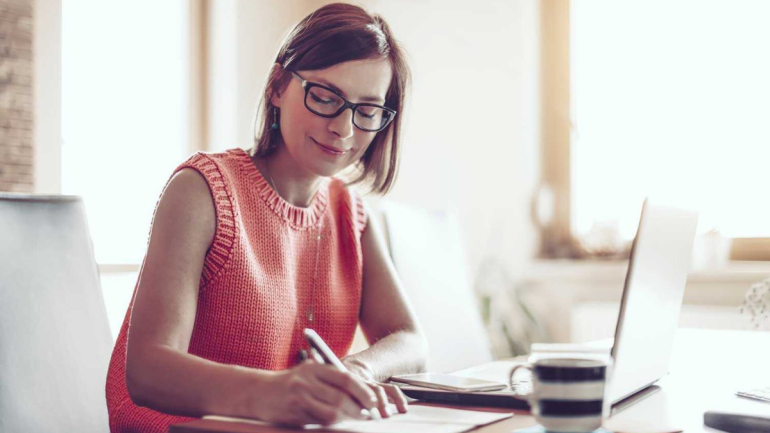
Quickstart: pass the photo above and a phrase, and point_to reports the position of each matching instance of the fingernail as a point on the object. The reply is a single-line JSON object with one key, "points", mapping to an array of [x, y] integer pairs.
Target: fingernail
{"points": [[375, 414], [364, 414]]}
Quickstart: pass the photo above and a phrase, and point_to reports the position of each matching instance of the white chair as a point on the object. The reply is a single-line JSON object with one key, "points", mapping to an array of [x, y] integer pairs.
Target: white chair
{"points": [[55, 341], [426, 248]]}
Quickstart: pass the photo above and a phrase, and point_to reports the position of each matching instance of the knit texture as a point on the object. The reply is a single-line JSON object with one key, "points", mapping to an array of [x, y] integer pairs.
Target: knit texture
{"points": [[255, 288]]}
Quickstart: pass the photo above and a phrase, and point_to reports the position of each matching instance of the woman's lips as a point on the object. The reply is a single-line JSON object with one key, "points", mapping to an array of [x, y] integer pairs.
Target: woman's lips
{"points": [[328, 149]]}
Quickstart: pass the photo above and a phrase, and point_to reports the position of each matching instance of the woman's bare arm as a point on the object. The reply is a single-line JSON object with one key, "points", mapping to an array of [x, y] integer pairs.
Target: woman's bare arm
{"points": [[159, 372]]}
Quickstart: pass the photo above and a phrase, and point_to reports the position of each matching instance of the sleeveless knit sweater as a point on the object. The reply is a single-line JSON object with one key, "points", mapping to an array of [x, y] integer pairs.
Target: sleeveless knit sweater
{"points": [[255, 288]]}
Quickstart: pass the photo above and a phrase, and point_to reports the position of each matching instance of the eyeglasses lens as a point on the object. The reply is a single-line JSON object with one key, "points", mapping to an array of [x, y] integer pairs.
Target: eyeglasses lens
{"points": [[326, 103], [323, 101]]}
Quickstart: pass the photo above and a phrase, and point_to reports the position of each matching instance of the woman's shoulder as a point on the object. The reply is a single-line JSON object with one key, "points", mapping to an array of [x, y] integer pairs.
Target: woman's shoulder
{"points": [[347, 198], [235, 157], [187, 184], [198, 201], [340, 191], [201, 185], [187, 193], [223, 171], [340, 186]]}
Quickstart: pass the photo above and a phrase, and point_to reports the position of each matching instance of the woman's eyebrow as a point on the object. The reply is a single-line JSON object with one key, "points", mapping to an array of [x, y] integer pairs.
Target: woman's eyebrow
{"points": [[340, 91]]}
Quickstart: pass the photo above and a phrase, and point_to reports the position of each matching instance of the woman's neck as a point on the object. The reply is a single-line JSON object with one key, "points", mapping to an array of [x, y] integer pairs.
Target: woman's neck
{"points": [[293, 183]]}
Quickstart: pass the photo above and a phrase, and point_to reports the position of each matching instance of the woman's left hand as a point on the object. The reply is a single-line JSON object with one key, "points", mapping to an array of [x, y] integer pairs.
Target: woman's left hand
{"points": [[385, 392]]}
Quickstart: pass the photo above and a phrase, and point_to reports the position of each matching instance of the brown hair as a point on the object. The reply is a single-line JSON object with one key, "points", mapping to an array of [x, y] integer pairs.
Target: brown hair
{"points": [[334, 34]]}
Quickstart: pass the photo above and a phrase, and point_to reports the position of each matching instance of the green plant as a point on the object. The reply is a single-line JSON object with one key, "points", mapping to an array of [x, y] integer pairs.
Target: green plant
{"points": [[512, 323]]}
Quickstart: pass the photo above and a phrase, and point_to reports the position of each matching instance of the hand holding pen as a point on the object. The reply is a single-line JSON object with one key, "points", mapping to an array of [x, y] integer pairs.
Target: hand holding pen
{"points": [[321, 353], [313, 393]]}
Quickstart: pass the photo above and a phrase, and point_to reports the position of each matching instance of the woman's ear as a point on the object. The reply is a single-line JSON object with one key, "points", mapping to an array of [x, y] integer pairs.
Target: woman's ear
{"points": [[276, 77]]}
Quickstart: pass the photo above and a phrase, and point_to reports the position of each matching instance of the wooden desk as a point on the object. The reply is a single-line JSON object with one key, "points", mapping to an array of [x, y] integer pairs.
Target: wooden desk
{"points": [[706, 368]]}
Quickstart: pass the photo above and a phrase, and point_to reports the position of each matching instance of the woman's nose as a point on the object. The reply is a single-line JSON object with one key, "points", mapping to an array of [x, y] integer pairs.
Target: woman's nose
{"points": [[342, 125]]}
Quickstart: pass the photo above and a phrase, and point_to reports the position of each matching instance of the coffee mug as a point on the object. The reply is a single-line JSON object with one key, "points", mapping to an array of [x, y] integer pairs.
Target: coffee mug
{"points": [[568, 394]]}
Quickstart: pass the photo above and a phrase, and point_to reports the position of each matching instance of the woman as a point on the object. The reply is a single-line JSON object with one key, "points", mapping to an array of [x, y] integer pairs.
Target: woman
{"points": [[249, 248]]}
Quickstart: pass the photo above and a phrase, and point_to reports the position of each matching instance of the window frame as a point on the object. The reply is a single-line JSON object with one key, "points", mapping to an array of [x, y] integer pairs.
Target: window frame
{"points": [[557, 239]]}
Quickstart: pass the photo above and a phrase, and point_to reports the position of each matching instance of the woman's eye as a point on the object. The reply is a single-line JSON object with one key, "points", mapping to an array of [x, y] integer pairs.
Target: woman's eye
{"points": [[320, 100], [369, 112]]}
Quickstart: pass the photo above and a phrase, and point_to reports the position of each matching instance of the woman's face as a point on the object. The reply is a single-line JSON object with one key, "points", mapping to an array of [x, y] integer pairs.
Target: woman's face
{"points": [[325, 146]]}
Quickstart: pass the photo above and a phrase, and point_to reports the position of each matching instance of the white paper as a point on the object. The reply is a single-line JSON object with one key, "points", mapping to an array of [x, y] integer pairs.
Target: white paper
{"points": [[425, 419]]}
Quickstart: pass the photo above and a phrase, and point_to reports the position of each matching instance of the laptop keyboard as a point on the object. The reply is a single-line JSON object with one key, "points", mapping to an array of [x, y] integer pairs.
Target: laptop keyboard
{"points": [[762, 394]]}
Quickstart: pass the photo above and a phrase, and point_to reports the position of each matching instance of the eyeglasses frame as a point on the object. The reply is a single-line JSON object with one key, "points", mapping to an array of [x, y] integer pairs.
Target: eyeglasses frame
{"points": [[307, 85]]}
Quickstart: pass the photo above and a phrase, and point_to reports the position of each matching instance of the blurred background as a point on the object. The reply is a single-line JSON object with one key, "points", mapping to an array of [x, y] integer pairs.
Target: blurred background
{"points": [[542, 125]]}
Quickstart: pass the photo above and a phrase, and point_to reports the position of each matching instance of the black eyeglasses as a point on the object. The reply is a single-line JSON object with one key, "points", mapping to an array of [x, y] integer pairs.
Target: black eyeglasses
{"points": [[326, 102]]}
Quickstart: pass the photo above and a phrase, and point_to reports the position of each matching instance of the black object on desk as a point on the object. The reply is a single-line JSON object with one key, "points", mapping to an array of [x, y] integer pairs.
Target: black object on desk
{"points": [[505, 398], [736, 422]]}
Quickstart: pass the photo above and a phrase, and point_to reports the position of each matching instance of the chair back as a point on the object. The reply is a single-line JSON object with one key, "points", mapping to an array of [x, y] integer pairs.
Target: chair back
{"points": [[426, 248], [55, 340]]}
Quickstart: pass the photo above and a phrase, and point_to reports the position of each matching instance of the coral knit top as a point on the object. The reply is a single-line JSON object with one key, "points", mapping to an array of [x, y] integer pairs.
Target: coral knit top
{"points": [[257, 279]]}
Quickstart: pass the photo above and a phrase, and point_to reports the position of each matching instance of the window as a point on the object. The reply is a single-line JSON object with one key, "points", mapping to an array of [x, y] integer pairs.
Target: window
{"points": [[125, 99], [667, 98], [123, 114]]}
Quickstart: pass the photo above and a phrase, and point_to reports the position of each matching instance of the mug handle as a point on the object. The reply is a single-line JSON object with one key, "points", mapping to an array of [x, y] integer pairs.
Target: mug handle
{"points": [[527, 366]]}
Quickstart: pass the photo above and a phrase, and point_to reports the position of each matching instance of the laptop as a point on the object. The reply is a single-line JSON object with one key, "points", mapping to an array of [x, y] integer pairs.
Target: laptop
{"points": [[652, 298], [647, 321]]}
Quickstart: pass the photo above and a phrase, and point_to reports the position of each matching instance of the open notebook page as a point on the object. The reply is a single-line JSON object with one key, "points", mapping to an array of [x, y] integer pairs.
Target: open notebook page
{"points": [[425, 419]]}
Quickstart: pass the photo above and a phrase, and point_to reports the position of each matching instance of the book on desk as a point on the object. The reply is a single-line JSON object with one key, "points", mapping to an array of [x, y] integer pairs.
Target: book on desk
{"points": [[504, 398], [496, 371]]}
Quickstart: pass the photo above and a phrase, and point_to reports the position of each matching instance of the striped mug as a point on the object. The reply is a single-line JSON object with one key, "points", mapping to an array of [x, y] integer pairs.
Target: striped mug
{"points": [[568, 394]]}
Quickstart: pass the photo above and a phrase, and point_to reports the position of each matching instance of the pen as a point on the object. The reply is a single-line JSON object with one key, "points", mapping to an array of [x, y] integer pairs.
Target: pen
{"points": [[318, 345]]}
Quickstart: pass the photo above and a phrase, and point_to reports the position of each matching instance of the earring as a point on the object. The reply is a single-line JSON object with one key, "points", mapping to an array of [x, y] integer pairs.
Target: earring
{"points": [[275, 119]]}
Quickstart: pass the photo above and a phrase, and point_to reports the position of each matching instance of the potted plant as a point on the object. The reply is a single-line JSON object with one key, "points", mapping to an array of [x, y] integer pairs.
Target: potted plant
{"points": [[756, 304]]}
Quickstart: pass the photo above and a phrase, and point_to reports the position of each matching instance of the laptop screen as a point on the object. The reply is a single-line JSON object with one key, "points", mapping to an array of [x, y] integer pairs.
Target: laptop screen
{"points": [[652, 298]]}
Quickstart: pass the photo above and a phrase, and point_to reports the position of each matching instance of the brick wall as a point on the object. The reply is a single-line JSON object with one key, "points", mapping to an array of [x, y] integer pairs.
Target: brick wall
{"points": [[16, 115]]}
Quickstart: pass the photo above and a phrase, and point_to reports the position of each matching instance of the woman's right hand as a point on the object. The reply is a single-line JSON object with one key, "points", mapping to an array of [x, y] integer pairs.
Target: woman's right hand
{"points": [[313, 393]]}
